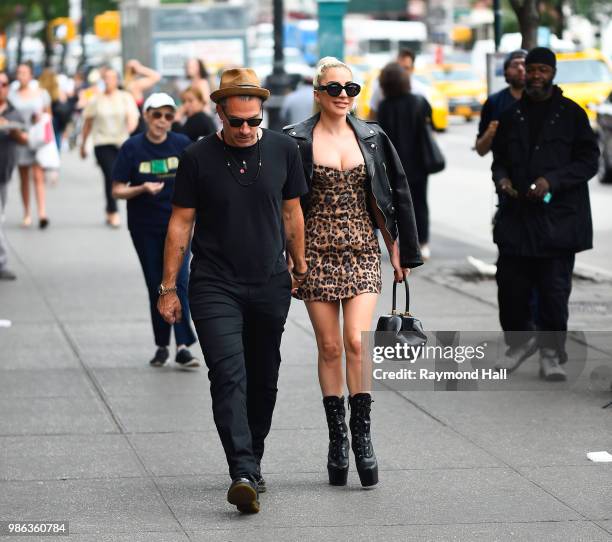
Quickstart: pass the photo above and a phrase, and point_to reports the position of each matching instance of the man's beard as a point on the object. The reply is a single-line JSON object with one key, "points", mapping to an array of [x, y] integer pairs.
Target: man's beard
{"points": [[516, 83], [538, 93]]}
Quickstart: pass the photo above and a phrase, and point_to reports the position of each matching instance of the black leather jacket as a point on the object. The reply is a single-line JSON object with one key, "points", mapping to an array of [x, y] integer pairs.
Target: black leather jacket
{"points": [[386, 177]]}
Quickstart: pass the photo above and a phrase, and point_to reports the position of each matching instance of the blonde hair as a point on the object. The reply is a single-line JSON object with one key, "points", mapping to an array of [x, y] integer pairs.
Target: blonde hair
{"points": [[326, 63], [197, 93], [48, 80]]}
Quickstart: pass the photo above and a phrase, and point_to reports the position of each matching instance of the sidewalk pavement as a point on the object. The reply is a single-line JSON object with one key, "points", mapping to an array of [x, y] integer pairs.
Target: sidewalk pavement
{"points": [[90, 434]]}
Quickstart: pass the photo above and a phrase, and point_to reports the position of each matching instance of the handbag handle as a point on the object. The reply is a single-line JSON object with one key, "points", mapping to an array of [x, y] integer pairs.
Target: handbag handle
{"points": [[394, 307]]}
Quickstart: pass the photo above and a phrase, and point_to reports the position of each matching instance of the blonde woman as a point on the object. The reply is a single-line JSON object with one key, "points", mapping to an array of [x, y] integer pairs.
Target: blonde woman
{"points": [[197, 124], [61, 108], [356, 182], [30, 101], [137, 81]]}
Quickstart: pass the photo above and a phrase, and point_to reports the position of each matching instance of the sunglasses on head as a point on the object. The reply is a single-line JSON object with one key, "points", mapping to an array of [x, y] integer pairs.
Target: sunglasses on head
{"points": [[335, 89], [158, 115], [237, 122]]}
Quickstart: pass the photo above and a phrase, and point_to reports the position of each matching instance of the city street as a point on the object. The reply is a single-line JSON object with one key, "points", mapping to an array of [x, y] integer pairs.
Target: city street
{"points": [[92, 435]]}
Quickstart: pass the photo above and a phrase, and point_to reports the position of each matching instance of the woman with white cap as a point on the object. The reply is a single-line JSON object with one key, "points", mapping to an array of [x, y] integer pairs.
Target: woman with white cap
{"points": [[143, 175]]}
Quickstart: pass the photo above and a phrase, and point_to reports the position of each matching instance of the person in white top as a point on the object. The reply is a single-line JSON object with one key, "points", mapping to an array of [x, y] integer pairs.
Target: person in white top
{"points": [[30, 101], [110, 118]]}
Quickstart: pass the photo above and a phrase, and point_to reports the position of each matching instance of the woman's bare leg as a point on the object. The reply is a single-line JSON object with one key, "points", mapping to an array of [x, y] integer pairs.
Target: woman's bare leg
{"points": [[357, 313], [24, 177], [325, 319], [39, 187]]}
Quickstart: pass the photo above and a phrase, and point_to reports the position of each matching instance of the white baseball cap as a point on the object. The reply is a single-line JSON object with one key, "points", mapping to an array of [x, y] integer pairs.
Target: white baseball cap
{"points": [[158, 99]]}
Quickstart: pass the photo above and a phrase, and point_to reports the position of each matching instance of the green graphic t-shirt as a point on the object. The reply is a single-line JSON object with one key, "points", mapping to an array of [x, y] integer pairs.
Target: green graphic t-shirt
{"points": [[142, 161]]}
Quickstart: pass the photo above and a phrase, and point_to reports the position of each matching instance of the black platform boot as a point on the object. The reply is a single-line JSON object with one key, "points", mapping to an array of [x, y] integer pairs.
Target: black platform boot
{"points": [[338, 456], [367, 466]]}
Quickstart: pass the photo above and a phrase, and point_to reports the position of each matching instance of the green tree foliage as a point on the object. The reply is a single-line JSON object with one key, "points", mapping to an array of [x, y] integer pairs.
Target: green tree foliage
{"points": [[31, 11], [551, 13], [47, 10]]}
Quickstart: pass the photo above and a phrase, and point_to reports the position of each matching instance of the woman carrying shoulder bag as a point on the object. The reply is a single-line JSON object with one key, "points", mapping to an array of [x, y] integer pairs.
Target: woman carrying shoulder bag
{"points": [[356, 181], [403, 117]]}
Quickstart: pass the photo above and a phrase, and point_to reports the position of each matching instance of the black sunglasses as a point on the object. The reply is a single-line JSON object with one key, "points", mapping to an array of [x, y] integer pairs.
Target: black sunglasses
{"points": [[237, 122], [335, 89], [158, 115]]}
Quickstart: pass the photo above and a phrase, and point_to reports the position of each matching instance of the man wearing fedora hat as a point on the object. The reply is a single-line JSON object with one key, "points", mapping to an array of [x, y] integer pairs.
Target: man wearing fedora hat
{"points": [[241, 186]]}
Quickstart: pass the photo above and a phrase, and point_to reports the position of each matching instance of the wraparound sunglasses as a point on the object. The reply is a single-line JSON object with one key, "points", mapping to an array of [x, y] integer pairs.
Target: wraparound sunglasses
{"points": [[335, 89], [237, 122]]}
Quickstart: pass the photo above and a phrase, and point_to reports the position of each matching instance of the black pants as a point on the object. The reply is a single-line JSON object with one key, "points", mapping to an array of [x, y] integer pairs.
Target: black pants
{"points": [[106, 156], [418, 191], [150, 248], [240, 327], [520, 280]]}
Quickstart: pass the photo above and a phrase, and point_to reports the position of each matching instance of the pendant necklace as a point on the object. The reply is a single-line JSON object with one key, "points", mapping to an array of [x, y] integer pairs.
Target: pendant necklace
{"points": [[242, 168]]}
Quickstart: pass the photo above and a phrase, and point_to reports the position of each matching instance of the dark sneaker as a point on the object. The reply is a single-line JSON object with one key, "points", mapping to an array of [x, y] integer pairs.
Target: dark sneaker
{"points": [[261, 483], [185, 359], [243, 494], [161, 356], [5, 274]]}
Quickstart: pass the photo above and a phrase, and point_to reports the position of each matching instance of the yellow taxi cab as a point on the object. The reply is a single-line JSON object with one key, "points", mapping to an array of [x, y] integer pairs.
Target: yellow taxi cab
{"points": [[585, 77], [438, 102], [464, 90]]}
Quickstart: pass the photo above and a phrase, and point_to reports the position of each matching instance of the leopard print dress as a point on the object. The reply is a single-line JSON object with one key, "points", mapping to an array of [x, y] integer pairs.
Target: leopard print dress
{"points": [[342, 248]]}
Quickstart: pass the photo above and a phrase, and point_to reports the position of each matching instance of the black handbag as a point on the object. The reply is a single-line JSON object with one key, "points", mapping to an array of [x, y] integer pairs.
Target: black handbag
{"points": [[433, 159], [406, 329]]}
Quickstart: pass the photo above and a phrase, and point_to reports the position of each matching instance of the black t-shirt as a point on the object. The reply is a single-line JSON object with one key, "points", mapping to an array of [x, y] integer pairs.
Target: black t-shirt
{"points": [[140, 161], [493, 108], [195, 127], [239, 232]]}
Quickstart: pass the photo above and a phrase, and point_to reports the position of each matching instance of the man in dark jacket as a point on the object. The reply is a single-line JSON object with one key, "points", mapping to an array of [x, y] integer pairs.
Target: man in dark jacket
{"points": [[496, 104], [544, 154]]}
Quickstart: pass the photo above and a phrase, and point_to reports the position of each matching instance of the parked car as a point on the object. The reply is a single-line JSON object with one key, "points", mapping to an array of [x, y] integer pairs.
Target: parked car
{"points": [[604, 129], [438, 102], [462, 87], [585, 77]]}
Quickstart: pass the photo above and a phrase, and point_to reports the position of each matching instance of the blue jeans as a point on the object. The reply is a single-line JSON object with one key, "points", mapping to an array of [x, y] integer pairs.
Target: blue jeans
{"points": [[150, 248]]}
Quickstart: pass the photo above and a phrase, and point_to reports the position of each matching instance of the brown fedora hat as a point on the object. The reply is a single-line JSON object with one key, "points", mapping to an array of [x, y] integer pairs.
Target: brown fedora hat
{"points": [[239, 82]]}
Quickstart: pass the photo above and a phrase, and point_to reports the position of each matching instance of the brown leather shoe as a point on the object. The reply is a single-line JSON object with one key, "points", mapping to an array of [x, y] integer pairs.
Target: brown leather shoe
{"points": [[243, 494]]}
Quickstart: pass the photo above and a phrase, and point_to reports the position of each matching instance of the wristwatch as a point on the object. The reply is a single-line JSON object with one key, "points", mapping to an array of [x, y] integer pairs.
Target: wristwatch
{"points": [[163, 290]]}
